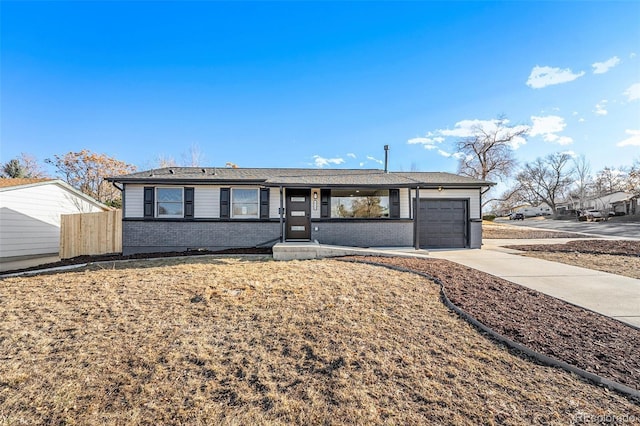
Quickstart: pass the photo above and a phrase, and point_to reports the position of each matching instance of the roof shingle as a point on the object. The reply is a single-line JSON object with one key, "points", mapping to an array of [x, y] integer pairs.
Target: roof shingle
{"points": [[11, 182], [298, 177]]}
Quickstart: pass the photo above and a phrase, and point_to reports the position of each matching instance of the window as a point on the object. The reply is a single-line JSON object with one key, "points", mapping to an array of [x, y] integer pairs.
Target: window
{"points": [[169, 202], [360, 203], [244, 203]]}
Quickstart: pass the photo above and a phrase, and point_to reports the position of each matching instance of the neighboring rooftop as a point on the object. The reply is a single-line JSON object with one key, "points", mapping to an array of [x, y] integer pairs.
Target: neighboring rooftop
{"points": [[11, 182], [297, 177]]}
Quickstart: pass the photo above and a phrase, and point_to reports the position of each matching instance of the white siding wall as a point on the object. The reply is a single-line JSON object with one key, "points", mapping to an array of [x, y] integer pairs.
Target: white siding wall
{"points": [[206, 201], [404, 203], [30, 218], [472, 194], [134, 200], [274, 203]]}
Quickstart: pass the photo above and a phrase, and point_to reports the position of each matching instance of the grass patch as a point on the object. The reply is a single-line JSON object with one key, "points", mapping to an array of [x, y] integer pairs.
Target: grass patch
{"points": [[209, 341]]}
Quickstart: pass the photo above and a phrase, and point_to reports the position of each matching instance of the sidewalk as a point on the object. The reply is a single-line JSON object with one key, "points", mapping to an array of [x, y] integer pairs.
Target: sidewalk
{"points": [[611, 295]]}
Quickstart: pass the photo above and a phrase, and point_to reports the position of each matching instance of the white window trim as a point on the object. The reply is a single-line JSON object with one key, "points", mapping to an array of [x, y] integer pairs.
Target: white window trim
{"points": [[168, 216], [231, 202]]}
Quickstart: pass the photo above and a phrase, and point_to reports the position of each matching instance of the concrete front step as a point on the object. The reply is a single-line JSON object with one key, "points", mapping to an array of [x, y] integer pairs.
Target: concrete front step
{"points": [[312, 250]]}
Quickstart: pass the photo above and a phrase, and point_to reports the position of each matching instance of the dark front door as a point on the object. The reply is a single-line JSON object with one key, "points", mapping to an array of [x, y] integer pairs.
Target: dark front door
{"points": [[298, 220]]}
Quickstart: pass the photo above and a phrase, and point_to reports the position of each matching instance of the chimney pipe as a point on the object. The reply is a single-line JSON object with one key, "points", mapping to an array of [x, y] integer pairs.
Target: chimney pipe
{"points": [[386, 158]]}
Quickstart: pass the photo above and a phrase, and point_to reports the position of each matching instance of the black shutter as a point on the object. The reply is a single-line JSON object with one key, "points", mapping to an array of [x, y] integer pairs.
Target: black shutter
{"points": [[188, 203], [264, 203], [394, 203], [224, 202], [325, 203], [148, 201]]}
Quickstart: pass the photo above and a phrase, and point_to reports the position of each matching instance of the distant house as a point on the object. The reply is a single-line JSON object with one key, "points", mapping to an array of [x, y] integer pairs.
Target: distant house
{"points": [[190, 208], [628, 205], [618, 201], [30, 212]]}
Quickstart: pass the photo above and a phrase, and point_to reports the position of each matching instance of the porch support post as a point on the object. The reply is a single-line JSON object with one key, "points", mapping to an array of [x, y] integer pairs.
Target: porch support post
{"points": [[281, 214], [416, 219]]}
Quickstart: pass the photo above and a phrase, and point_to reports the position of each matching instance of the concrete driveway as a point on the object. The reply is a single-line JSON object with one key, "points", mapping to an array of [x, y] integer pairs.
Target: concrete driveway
{"points": [[611, 295], [611, 228]]}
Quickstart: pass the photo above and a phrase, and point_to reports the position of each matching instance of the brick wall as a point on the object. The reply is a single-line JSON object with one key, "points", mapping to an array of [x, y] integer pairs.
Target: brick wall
{"points": [[364, 233], [475, 229], [159, 236]]}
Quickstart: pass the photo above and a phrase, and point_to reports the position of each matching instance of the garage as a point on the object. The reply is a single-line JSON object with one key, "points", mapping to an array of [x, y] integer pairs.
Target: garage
{"points": [[443, 223]]}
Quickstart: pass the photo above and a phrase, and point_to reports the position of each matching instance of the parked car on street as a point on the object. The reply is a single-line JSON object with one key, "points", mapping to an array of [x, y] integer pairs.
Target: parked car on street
{"points": [[516, 216], [593, 214]]}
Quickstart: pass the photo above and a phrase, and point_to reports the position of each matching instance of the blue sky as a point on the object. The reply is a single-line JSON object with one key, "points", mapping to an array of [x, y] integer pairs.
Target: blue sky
{"points": [[318, 84]]}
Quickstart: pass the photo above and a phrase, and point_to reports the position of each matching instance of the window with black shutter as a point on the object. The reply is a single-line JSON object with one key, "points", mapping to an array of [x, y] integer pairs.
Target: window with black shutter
{"points": [[188, 203], [264, 203], [325, 203], [148, 201], [394, 203], [225, 198]]}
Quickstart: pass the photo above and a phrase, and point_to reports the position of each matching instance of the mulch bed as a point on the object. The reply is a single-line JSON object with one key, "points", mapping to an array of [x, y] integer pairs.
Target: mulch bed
{"points": [[585, 339], [612, 247], [80, 260]]}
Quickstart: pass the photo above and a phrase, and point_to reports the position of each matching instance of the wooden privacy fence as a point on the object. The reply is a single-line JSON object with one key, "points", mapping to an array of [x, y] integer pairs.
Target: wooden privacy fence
{"points": [[90, 233]]}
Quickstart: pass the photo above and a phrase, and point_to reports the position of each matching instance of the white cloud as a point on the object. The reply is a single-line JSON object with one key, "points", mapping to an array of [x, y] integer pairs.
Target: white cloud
{"points": [[468, 128], [425, 141], [602, 67], [361, 164], [546, 76], [581, 120], [322, 162], [444, 153], [547, 127], [572, 154], [370, 158], [633, 92], [351, 154], [601, 107], [458, 155], [428, 141], [632, 140]]}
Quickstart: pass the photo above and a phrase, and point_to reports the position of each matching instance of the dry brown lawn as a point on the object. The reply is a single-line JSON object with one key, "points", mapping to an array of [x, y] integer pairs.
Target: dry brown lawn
{"points": [[213, 341], [620, 257], [618, 265], [491, 230]]}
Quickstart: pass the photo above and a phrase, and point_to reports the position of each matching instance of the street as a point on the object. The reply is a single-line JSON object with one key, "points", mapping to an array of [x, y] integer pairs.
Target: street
{"points": [[609, 229]]}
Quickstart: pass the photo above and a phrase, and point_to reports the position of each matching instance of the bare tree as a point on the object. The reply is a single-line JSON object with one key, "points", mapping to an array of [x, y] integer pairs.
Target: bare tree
{"points": [[584, 181], [24, 167], [609, 180], [488, 152], [632, 183], [86, 171], [165, 161], [194, 157], [546, 180]]}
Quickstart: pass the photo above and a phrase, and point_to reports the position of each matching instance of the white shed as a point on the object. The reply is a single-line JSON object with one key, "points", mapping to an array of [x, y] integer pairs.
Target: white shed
{"points": [[30, 212]]}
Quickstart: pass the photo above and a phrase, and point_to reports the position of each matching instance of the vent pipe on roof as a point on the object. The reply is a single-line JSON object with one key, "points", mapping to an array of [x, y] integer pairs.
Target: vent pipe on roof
{"points": [[386, 158]]}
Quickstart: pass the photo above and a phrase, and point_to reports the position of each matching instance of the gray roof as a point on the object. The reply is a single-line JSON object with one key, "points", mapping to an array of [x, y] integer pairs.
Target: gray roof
{"points": [[298, 177]]}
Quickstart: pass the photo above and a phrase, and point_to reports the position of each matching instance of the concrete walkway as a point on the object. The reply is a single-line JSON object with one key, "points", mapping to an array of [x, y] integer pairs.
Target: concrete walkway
{"points": [[611, 295]]}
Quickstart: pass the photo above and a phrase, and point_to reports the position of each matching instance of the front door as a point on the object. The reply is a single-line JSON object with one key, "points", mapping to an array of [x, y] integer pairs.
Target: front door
{"points": [[298, 220]]}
